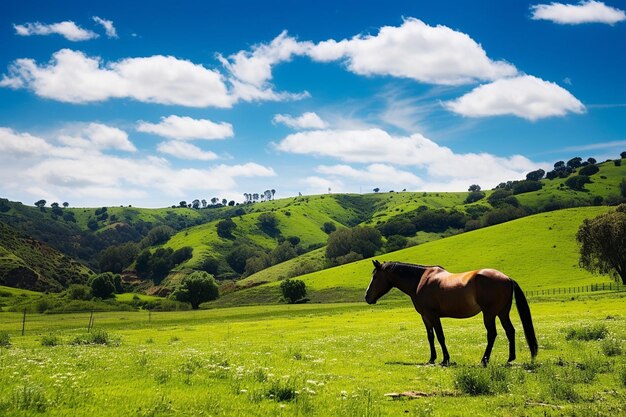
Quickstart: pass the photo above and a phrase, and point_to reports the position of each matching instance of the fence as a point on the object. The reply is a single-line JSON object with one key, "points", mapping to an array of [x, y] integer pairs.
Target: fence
{"points": [[605, 286]]}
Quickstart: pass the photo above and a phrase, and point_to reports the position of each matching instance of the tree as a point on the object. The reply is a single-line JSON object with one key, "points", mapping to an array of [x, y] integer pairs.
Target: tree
{"points": [[329, 227], [623, 155], [203, 203], [92, 224], [225, 228], [535, 175], [182, 204], [41, 204], [474, 187], [214, 200], [224, 201], [293, 290], [589, 170], [575, 162], [196, 288], [602, 243], [195, 204], [268, 222], [474, 196], [376, 189], [592, 161], [66, 204], [102, 285]]}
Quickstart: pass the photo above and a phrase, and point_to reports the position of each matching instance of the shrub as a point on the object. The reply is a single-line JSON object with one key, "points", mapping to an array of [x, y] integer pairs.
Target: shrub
{"points": [[395, 242], [498, 195], [577, 182], [225, 228], [527, 186], [612, 347], [282, 390], [293, 290], [474, 196], [589, 170], [587, 333], [5, 339], [617, 162], [102, 285], [96, 337], [50, 340], [79, 292], [329, 227]]}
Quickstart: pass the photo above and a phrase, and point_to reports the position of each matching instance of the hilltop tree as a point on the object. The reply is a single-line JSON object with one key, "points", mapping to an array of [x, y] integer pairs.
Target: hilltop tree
{"points": [[195, 204], [197, 288], [224, 201], [203, 203], [376, 189], [623, 155], [592, 161], [66, 204], [535, 175], [575, 162], [41, 204], [182, 204], [473, 188], [602, 243]]}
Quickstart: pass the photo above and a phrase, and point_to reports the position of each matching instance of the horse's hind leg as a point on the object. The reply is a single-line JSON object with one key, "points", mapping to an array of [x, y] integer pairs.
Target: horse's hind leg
{"points": [[490, 325], [510, 334], [442, 341]]}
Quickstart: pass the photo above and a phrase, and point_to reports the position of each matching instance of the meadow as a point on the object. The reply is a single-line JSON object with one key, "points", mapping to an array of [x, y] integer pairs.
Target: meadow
{"points": [[311, 360]]}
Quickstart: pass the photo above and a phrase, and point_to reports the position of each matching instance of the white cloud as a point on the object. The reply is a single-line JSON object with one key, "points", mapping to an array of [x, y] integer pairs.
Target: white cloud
{"points": [[73, 77], [182, 128], [415, 50], [184, 150], [22, 144], [98, 136], [75, 172], [68, 29], [308, 120], [107, 25], [440, 163], [574, 14], [525, 96], [374, 174], [251, 71]]}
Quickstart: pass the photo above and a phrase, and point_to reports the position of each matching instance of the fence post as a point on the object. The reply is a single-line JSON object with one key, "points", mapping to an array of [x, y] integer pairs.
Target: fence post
{"points": [[23, 322], [90, 325]]}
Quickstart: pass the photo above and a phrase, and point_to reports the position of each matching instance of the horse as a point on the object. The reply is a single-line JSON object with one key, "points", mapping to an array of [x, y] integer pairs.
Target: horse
{"points": [[437, 293]]}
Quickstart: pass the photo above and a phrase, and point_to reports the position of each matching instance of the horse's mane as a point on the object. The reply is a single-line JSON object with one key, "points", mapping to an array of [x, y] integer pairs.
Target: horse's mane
{"points": [[402, 268]]}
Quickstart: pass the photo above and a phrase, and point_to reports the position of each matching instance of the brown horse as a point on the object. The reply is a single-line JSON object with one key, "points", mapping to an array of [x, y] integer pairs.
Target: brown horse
{"points": [[437, 293]]}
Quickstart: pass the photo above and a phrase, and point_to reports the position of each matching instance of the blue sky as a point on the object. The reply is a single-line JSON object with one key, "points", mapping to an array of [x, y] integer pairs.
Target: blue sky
{"points": [[150, 103]]}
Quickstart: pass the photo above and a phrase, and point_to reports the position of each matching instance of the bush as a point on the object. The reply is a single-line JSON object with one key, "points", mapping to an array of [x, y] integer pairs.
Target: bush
{"points": [[587, 333], [268, 222], [364, 241], [503, 214], [5, 339], [329, 227], [225, 228], [181, 255], [474, 196], [293, 290], [589, 170], [398, 226], [527, 186], [612, 347], [395, 242], [50, 340], [617, 162], [96, 337], [577, 182], [79, 292], [498, 195]]}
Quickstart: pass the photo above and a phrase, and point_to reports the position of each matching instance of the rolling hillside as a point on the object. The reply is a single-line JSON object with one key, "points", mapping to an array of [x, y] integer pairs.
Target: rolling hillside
{"points": [[539, 252], [85, 233], [31, 264]]}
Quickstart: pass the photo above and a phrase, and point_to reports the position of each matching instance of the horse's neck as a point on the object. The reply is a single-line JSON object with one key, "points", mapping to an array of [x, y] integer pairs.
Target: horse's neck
{"points": [[408, 282]]}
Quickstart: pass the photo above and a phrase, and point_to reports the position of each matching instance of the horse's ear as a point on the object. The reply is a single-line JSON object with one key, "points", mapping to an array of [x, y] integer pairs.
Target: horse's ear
{"points": [[377, 264]]}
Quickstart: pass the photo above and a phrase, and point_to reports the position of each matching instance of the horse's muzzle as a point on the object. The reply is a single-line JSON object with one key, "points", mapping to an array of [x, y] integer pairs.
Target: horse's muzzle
{"points": [[370, 301]]}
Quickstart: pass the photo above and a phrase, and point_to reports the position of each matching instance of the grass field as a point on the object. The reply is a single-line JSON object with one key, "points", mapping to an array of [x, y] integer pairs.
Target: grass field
{"points": [[311, 360]]}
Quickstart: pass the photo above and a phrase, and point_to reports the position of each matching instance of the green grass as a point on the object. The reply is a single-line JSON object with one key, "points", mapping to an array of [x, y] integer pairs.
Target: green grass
{"points": [[313, 360]]}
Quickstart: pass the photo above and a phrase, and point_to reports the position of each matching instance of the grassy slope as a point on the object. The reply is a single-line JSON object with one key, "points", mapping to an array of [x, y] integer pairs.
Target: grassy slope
{"points": [[538, 251], [28, 263]]}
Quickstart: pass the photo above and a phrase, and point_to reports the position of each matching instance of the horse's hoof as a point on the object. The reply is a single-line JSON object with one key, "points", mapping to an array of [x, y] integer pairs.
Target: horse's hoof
{"points": [[445, 363]]}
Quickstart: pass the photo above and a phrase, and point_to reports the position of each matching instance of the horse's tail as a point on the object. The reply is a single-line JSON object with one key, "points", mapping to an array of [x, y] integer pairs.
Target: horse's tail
{"points": [[527, 321]]}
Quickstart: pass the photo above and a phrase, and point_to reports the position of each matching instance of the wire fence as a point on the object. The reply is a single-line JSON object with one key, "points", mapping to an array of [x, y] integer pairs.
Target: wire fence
{"points": [[605, 286]]}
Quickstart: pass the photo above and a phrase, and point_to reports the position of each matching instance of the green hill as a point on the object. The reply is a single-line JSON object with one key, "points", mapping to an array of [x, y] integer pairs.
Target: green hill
{"points": [[538, 251], [85, 233], [30, 264]]}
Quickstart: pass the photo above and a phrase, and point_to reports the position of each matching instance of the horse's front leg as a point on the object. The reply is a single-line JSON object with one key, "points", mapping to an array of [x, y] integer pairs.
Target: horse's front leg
{"points": [[430, 332]]}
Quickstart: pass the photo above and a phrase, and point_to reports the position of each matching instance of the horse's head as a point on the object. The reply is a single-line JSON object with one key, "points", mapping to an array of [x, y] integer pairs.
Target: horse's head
{"points": [[379, 286]]}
